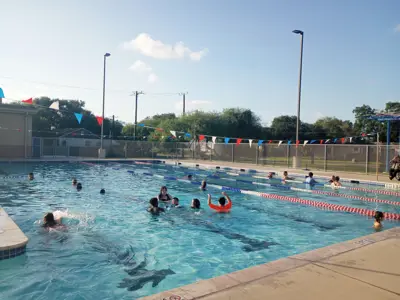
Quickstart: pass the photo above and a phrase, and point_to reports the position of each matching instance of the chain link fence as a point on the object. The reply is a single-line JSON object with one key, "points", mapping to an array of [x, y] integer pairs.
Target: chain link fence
{"points": [[347, 158]]}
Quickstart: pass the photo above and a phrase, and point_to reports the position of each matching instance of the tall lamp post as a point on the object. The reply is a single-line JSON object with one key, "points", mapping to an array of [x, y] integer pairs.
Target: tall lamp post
{"points": [[301, 33], [102, 153]]}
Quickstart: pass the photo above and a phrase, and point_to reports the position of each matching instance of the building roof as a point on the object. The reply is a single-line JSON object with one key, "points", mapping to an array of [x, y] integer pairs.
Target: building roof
{"points": [[17, 109], [76, 132]]}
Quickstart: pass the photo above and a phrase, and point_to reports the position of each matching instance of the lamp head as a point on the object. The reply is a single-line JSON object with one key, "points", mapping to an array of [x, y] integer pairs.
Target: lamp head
{"points": [[107, 55], [298, 32]]}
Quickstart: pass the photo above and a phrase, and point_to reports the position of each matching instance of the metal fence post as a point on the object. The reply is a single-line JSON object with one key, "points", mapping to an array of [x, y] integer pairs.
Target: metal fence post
{"points": [[233, 153], [287, 155], [366, 159], [325, 157], [257, 155]]}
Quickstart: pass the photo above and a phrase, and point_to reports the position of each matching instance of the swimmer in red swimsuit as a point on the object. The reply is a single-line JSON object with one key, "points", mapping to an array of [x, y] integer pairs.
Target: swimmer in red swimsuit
{"points": [[222, 207]]}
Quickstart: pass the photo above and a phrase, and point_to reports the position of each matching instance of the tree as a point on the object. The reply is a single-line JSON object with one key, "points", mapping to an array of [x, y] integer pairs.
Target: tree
{"points": [[284, 127], [334, 128]]}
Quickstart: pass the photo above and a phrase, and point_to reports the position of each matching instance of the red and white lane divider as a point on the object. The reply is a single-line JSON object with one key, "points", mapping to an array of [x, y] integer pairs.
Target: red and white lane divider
{"points": [[324, 205], [333, 194]]}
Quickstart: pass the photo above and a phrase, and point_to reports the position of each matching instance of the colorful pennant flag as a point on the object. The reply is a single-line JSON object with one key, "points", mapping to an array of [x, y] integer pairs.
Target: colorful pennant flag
{"points": [[226, 140], [238, 141], [260, 143], [343, 140], [214, 138], [187, 135], [55, 105], [250, 142], [327, 141], [28, 101], [270, 141], [313, 141], [140, 125], [321, 142], [351, 139], [201, 137], [99, 120], [297, 143], [305, 143], [173, 132], [289, 142], [78, 117], [1, 93], [280, 142]]}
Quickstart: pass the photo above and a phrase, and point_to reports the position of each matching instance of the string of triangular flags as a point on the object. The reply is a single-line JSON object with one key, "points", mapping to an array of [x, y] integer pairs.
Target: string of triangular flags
{"points": [[56, 106], [238, 141]]}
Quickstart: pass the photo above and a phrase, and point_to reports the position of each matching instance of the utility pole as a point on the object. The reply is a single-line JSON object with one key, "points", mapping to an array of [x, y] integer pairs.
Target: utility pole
{"points": [[136, 93], [113, 128], [184, 102]]}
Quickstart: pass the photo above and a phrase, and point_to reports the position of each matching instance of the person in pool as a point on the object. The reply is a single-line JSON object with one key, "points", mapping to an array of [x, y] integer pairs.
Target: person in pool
{"points": [[336, 182], [74, 181], [153, 207], [79, 186], [30, 176], [332, 180], [49, 221], [175, 203], [163, 196], [203, 185], [310, 179], [378, 220], [270, 175], [190, 177], [286, 176], [223, 207], [195, 203]]}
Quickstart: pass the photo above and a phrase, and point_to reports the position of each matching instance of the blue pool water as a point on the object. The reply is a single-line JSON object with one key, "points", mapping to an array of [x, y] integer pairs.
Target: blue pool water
{"points": [[114, 249]]}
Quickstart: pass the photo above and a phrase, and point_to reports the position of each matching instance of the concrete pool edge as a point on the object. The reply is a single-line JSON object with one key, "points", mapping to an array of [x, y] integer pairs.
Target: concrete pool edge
{"points": [[12, 240], [240, 279]]}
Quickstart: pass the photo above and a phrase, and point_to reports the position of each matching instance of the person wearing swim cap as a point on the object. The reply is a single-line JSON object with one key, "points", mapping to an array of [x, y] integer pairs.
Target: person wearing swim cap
{"points": [[78, 186], [102, 191], [223, 207], [378, 220]]}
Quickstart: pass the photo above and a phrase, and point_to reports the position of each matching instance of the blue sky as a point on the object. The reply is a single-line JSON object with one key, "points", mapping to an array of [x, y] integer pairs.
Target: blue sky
{"points": [[234, 54]]}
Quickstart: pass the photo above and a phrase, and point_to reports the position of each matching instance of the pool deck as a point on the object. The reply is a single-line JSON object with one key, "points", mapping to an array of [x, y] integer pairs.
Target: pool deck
{"points": [[12, 240], [364, 268]]}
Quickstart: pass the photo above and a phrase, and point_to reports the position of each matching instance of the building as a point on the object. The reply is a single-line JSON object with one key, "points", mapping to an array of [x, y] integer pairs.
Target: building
{"points": [[16, 130]]}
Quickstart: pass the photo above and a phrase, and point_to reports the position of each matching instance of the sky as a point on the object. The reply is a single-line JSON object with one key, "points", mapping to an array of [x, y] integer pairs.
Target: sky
{"points": [[223, 53]]}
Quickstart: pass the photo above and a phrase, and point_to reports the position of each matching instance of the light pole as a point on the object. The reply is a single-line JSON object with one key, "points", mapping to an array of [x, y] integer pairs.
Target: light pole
{"points": [[104, 98], [301, 33]]}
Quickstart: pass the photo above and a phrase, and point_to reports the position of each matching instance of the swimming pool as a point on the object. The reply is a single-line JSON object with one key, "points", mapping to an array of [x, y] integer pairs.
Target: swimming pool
{"points": [[115, 250]]}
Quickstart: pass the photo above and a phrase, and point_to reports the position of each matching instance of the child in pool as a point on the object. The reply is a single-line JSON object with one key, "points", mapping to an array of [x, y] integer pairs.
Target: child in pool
{"points": [[378, 220]]}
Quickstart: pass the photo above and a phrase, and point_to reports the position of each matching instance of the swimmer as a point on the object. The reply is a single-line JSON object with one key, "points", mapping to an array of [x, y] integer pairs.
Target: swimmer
{"points": [[190, 177], [286, 176], [310, 179], [332, 180], [102, 191], [49, 221], [153, 207], [74, 182], [270, 175], [164, 196], [378, 220], [203, 186], [336, 182], [222, 207], [175, 203], [78, 186], [195, 203], [30, 176]]}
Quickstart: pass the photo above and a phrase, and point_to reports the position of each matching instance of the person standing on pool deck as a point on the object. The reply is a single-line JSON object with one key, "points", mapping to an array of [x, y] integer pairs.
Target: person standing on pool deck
{"points": [[163, 196], [222, 207]]}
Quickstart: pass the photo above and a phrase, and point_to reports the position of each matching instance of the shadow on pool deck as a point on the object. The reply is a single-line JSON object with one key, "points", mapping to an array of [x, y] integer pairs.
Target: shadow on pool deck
{"points": [[364, 268]]}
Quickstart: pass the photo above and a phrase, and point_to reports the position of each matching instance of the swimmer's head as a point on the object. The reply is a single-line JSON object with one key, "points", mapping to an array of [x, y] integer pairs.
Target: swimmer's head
{"points": [[175, 201], [30, 176], [285, 173], [270, 174], [74, 181], [190, 176], [163, 190], [378, 216], [195, 203], [154, 202], [337, 178], [102, 191], [333, 177], [48, 220], [222, 201], [79, 186], [311, 174]]}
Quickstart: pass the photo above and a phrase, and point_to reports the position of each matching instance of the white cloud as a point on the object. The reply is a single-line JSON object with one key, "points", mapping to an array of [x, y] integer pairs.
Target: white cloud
{"points": [[152, 78], [397, 28], [140, 66], [145, 45]]}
